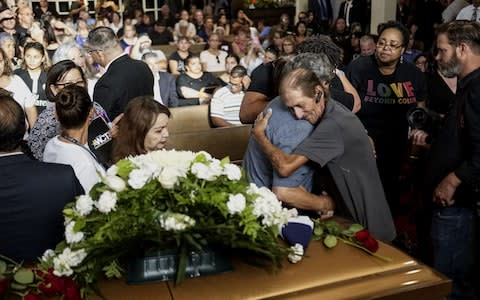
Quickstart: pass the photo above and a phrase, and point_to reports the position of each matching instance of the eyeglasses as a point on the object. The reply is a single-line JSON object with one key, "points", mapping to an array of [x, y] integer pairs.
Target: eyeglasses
{"points": [[384, 45], [287, 44], [90, 51], [65, 84], [7, 19]]}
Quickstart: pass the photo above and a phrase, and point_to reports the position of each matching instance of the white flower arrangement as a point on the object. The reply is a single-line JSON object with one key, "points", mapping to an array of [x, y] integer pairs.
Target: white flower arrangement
{"points": [[174, 199]]}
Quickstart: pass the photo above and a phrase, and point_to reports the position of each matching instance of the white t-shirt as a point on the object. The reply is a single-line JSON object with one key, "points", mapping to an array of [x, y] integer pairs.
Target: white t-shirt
{"points": [[21, 92], [226, 105], [85, 166], [213, 64]]}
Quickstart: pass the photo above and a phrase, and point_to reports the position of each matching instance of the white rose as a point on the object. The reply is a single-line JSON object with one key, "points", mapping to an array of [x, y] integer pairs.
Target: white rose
{"points": [[232, 171], [138, 178], [168, 178], [107, 202], [84, 205], [297, 253], [72, 236], [115, 183], [61, 268], [236, 203], [202, 171]]}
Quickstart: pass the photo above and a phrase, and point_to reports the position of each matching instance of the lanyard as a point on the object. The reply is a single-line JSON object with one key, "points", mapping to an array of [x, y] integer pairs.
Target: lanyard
{"points": [[74, 141]]}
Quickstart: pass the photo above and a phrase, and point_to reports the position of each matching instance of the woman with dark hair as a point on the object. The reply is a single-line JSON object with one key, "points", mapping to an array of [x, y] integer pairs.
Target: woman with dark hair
{"points": [[143, 128], [195, 86], [18, 88], [74, 111], [61, 74], [388, 88], [301, 33]]}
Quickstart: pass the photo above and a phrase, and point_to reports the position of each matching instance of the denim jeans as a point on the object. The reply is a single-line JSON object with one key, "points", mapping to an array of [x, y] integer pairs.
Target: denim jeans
{"points": [[453, 237]]}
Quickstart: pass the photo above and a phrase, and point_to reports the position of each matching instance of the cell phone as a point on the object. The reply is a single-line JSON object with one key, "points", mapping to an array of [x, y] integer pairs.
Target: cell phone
{"points": [[209, 89]]}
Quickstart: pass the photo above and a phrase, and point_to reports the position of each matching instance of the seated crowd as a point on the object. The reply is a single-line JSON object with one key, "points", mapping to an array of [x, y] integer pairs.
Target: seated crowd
{"points": [[331, 134]]}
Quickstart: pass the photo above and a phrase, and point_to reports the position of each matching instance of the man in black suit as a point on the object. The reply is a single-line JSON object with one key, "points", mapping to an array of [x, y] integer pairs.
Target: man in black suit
{"points": [[124, 78], [354, 11], [33, 194], [322, 10]]}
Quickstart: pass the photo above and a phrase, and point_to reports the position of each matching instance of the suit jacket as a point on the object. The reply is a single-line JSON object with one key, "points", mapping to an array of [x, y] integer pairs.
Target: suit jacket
{"points": [[124, 80], [314, 5], [168, 89], [357, 12], [33, 195]]}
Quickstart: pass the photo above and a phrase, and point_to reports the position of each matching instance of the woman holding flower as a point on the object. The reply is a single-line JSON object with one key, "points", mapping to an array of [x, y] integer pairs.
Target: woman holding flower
{"points": [[143, 128]]}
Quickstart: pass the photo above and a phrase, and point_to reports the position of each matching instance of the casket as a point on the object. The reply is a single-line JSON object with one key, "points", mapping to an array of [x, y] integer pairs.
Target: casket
{"points": [[343, 272]]}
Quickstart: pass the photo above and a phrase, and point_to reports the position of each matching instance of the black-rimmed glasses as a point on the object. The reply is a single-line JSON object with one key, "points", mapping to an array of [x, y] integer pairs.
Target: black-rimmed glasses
{"points": [[384, 45], [64, 84]]}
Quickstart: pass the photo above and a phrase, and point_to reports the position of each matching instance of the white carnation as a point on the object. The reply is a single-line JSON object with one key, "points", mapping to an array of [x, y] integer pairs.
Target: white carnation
{"points": [[236, 203], [215, 168], [112, 171], [232, 171], [175, 221], [63, 263], [267, 207], [139, 177], [84, 205], [47, 255], [296, 253], [168, 177], [107, 202], [202, 171], [115, 183], [71, 236]]}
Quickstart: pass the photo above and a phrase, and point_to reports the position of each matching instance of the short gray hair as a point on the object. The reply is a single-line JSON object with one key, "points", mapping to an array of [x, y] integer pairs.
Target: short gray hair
{"points": [[102, 38], [318, 63], [62, 51]]}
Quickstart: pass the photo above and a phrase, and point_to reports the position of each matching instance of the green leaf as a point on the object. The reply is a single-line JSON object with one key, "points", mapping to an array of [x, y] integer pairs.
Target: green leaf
{"points": [[124, 168], [225, 160], [17, 286], [330, 241], [318, 231], [24, 276], [79, 225], [355, 228], [3, 266]]}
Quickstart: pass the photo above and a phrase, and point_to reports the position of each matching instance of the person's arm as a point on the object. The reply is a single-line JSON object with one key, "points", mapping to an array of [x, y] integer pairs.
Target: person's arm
{"points": [[173, 95], [443, 194], [75, 11], [32, 114], [173, 65], [253, 103], [300, 198], [349, 88], [220, 122], [284, 163]]}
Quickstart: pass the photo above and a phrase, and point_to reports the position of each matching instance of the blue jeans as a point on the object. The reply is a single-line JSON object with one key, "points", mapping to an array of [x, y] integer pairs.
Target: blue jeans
{"points": [[453, 238]]}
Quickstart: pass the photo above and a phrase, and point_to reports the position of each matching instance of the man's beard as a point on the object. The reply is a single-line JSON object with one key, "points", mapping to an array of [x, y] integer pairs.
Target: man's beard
{"points": [[451, 68]]}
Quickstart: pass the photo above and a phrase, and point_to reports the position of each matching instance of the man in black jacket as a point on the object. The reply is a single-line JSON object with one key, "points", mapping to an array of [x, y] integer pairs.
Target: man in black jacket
{"points": [[33, 194], [453, 171], [124, 78]]}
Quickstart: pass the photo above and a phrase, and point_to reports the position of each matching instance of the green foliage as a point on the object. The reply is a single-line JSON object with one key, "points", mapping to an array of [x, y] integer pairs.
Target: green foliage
{"points": [[188, 216]]}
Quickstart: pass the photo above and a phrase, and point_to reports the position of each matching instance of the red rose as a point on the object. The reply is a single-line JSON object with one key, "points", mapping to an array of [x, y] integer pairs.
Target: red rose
{"points": [[4, 284], [371, 244], [72, 291], [51, 284], [362, 235], [31, 296]]}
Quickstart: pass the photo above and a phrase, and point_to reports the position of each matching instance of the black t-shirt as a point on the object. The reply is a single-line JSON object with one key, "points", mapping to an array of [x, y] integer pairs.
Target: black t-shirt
{"points": [[161, 38], [262, 81], [386, 100], [181, 62], [207, 80]]}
